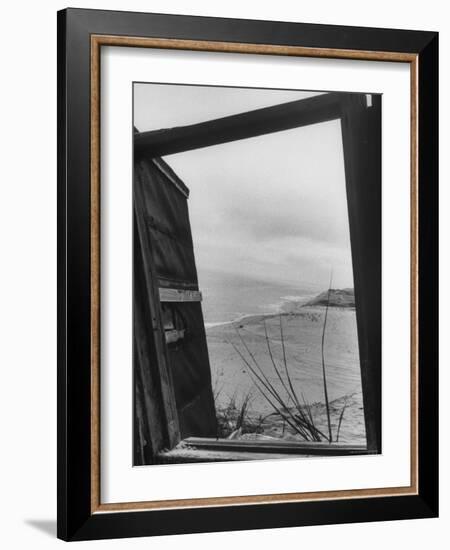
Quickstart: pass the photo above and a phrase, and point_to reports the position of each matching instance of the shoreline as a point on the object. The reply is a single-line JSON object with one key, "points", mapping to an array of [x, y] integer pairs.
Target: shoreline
{"points": [[279, 310], [298, 307]]}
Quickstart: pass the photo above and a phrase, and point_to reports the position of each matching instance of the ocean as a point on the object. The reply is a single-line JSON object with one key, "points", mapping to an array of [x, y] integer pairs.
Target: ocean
{"points": [[231, 297]]}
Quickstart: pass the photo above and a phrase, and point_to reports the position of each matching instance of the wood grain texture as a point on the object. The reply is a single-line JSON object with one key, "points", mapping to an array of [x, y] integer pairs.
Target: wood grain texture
{"points": [[95, 275], [151, 298], [179, 295], [414, 81], [259, 49], [257, 499]]}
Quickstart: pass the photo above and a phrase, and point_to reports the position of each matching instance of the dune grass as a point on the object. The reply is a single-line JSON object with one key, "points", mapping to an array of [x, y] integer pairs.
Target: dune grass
{"points": [[287, 402], [235, 418], [324, 370]]}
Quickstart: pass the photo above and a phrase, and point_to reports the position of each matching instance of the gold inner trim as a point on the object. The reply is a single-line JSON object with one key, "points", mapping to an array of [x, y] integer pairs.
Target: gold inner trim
{"points": [[264, 49]]}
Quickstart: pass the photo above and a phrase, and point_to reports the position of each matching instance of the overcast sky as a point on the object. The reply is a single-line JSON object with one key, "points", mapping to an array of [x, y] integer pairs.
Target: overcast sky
{"points": [[271, 207]]}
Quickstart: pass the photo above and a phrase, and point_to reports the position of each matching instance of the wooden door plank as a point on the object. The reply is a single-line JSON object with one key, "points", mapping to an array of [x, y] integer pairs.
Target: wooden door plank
{"points": [[179, 295], [167, 388]]}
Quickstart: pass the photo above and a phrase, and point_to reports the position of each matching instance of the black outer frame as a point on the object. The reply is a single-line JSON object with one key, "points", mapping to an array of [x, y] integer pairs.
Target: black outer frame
{"points": [[75, 521]]}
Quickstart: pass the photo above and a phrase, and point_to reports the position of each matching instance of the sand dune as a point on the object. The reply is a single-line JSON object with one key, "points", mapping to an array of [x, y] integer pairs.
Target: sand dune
{"points": [[302, 331]]}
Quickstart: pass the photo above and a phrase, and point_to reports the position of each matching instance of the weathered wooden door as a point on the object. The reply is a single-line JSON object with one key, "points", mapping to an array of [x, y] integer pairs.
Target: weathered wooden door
{"points": [[173, 392]]}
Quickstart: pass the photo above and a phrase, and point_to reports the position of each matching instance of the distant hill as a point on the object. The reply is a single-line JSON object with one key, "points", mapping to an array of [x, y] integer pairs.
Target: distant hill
{"points": [[344, 297]]}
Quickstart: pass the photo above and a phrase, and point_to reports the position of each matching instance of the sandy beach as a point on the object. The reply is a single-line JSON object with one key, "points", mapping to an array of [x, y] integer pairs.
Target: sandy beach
{"points": [[302, 333]]}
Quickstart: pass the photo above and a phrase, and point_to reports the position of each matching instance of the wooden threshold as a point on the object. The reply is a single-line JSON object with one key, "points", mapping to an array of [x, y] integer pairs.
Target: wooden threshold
{"points": [[203, 449]]}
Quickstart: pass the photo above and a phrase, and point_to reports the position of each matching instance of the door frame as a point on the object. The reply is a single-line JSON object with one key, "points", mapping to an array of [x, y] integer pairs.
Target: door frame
{"points": [[361, 140]]}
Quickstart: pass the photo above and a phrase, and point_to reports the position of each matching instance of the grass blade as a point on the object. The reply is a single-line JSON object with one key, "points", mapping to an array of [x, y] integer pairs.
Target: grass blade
{"points": [[324, 374]]}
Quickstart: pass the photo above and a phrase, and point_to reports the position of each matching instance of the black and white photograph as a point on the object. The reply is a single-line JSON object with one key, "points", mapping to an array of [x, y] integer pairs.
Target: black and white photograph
{"points": [[256, 273]]}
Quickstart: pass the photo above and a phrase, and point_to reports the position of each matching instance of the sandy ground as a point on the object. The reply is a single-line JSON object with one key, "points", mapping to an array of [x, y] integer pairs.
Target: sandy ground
{"points": [[302, 330]]}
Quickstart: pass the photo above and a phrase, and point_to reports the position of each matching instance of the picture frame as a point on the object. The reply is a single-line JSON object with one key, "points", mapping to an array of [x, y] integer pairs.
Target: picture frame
{"points": [[81, 36]]}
